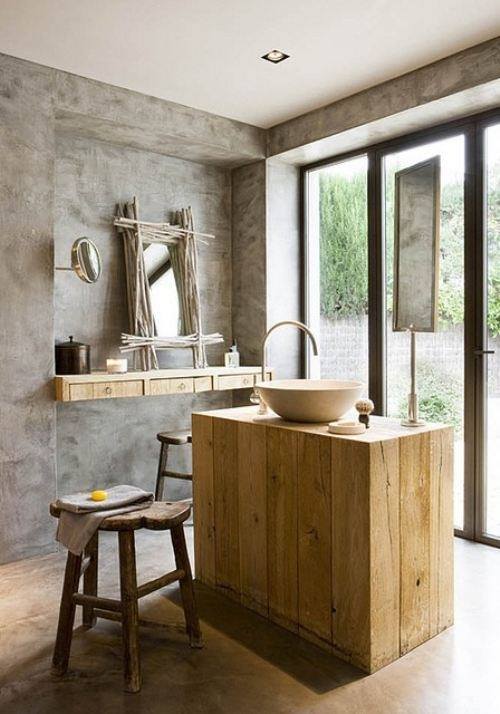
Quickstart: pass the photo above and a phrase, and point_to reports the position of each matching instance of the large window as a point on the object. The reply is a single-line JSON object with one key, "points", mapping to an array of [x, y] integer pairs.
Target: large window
{"points": [[349, 248], [338, 267]]}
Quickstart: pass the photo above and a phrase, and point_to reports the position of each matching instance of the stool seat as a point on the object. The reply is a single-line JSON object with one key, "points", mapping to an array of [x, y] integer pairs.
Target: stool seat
{"points": [[176, 438], [159, 516]]}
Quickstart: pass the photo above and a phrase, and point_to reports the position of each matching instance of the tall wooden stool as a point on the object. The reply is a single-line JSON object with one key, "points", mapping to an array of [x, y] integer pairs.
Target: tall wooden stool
{"points": [[157, 517], [166, 439]]}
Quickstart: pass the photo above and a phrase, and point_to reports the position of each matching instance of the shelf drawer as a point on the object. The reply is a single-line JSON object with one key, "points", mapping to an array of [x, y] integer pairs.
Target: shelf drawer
{"points": [[81, 391], [235, 381], [106, 390], [181, 386], [202, 384], [111, 390], [159, 387]]}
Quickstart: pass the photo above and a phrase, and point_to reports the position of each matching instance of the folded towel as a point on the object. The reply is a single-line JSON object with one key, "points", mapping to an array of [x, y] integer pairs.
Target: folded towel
{"points": [[80, 516]]}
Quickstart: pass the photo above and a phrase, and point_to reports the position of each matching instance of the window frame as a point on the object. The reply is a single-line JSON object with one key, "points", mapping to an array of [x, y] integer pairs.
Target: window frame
{"points": [[475, 253]]}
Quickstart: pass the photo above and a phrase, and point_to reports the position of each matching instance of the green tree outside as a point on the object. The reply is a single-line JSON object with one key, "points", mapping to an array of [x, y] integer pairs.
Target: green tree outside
{"points": [[344, 254]]}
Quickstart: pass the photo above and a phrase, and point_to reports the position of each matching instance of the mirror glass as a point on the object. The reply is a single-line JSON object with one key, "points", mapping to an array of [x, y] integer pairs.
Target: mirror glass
{"points": [[85, 260], [164, 296], [416, 246]]}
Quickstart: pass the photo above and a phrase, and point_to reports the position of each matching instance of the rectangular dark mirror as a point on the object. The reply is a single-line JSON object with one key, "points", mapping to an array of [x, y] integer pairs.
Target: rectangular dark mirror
{"points": [[416, 246]]}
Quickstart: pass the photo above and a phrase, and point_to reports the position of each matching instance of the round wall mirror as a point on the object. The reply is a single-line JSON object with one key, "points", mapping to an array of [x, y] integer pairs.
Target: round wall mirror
{"points": [[85, 260]]}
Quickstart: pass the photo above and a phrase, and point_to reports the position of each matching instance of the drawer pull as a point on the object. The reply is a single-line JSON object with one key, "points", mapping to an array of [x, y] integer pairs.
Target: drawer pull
{"points": [[182, 387], [108, 390]]}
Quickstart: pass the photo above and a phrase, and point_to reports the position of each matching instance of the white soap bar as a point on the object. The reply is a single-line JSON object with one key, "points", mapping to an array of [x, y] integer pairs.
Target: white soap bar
{"points": [[346, 426]]}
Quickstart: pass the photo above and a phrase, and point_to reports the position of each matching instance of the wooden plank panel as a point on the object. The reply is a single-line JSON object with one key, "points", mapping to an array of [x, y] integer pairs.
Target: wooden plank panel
{"points": [[225, 450], [415, 494], [314, 538], [282, 526], [203, 499], [385, 553], [351, 551], [441, 530], [252, 507], [61, 389]]}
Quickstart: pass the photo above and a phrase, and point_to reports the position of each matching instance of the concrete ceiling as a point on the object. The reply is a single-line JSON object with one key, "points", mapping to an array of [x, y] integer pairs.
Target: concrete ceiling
{"points": [[206, 53]]}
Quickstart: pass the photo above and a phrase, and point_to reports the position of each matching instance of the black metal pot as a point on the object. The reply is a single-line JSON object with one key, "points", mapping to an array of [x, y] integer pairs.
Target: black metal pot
{"points": [[72, 357]]}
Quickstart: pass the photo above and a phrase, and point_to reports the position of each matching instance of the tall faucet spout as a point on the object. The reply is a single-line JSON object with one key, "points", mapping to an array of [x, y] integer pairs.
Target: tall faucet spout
{"points": [[295, 323]]}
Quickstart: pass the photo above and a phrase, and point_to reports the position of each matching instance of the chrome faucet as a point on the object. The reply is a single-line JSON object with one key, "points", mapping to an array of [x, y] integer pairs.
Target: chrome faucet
{"points": [[255, 397]]}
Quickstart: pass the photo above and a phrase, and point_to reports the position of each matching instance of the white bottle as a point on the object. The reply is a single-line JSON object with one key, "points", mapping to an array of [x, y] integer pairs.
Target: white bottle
{"points": [[232, 358]]}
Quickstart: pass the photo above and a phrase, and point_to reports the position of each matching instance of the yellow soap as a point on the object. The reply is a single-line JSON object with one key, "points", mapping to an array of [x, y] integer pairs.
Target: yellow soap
{"points": [[99, 495]]}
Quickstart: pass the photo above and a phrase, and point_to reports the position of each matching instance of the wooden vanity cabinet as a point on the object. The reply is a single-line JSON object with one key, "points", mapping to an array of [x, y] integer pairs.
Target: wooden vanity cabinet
{"points": [[347, 541]]}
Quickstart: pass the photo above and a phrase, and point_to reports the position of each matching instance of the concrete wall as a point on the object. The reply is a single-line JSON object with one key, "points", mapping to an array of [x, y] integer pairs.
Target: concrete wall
{"points": [[67, 137], [283, 267], [266, 262], [107, 442], [249, 259], [27, 412], [464, 83], [116, 115]]}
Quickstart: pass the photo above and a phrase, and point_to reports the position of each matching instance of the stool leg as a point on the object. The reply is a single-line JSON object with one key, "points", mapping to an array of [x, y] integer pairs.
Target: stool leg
{"points": [[64, 636], [162, 466], [90, 579], [186, 585], [130, 613]]}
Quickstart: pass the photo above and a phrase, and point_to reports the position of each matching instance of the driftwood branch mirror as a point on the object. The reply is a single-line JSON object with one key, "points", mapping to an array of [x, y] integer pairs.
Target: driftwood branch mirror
{"points": [[416, 247], [163, 292]]}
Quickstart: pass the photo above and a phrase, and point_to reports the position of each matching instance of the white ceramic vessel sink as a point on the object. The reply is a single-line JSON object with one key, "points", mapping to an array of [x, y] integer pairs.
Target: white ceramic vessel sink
{"points": [[310, 400]]}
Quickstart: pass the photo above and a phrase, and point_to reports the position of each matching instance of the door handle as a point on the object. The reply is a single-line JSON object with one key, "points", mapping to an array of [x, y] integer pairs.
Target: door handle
{"points": [[480, 353]]}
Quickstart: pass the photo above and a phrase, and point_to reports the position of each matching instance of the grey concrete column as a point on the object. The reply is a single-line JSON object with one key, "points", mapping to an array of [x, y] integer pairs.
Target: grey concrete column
{"points": [[249, 301], [266, 262], [27, 414]]}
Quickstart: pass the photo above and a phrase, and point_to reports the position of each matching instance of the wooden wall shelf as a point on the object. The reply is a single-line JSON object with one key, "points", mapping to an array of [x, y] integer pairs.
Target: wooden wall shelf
{"points": [[160, 382]]}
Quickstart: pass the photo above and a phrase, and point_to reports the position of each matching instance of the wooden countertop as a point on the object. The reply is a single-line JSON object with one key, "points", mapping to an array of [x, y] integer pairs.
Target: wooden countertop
{"points": [[381, 428]]}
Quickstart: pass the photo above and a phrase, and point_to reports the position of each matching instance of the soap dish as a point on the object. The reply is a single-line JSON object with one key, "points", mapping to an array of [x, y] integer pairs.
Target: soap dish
{"points": [[345, 426]]}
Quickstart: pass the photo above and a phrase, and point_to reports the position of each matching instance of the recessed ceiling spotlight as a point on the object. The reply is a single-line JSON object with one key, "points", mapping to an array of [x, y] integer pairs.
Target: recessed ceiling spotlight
{"points": [[275, 56]]}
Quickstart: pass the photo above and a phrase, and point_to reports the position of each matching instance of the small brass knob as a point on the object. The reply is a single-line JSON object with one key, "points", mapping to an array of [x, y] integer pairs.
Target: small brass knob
{"points": [[108, 390]]}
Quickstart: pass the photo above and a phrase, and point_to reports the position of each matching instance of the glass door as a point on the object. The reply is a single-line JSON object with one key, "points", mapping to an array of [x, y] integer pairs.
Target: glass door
{"points": [[349, 249], [490, 511], [440, 355]]}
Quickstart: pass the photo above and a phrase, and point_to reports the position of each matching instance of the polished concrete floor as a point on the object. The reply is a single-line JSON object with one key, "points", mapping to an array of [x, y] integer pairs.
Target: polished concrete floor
{"points": [[247, 664]]}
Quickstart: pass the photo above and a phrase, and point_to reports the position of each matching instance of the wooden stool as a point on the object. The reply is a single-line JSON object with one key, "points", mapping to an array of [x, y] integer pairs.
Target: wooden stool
{"points": [[158, 517], [166, 439]]}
